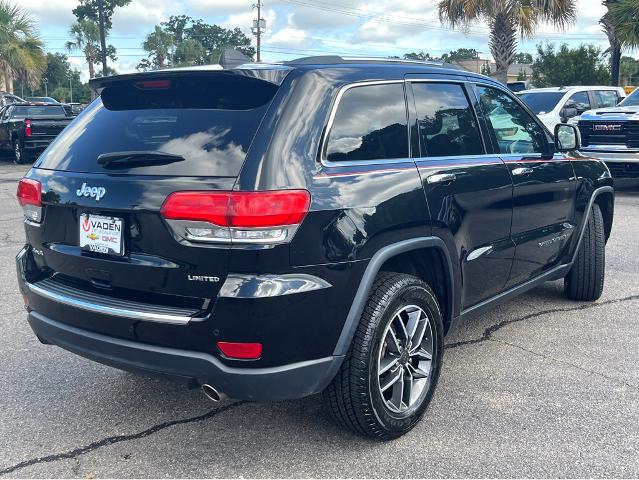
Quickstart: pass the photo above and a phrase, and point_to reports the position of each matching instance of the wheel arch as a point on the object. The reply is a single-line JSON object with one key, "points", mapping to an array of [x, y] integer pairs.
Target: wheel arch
{"points": [[413, 256], [606, 202]]}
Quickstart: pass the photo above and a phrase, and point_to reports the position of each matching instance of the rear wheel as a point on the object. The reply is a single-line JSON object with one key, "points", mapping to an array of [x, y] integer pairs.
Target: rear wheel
{"points": [[585, 280], [391, 370], [20, 155]]}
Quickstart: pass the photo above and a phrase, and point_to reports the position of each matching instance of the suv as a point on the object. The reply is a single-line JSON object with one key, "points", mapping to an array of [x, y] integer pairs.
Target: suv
{"points": [[274, 231], [612, 134], [559, 104]]}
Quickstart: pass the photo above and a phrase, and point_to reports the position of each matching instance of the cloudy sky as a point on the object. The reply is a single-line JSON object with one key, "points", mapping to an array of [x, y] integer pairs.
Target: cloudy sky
{"points": [[298, 28]]}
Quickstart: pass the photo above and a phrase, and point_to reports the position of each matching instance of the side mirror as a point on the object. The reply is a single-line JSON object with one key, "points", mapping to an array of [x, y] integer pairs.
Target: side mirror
{"points": [[568, 112], [567, 137]]}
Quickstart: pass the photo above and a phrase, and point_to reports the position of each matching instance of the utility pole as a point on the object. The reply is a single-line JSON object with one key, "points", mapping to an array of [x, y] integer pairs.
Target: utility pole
{"points": [[102, 37], [259, 25]]}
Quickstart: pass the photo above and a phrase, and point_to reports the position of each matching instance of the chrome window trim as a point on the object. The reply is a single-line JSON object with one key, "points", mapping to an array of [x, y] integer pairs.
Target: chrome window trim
{"points": [[331, 118]]}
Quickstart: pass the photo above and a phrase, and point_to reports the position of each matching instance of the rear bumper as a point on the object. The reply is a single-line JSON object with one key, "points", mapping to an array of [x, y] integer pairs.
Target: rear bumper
{"points": [[36, 144], [276, 383]]}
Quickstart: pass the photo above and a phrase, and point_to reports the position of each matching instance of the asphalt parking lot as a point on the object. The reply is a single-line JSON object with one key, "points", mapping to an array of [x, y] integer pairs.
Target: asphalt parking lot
{"points": [[538, 387]]}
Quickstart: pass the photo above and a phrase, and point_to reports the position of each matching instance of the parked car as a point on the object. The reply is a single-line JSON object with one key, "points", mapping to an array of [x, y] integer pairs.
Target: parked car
{"points": [[48, 100], [559, 104], [275, 231], [9, 99], [612, 134], [27, 129], [73, 109]]}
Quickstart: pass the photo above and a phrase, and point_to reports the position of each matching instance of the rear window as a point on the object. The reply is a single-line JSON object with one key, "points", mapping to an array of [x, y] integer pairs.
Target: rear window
{"points": [[40, 111], [210, 121]]}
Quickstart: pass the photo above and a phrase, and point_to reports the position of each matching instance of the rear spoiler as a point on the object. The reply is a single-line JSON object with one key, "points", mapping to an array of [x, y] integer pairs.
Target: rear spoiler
{"points": [[274, 74]]}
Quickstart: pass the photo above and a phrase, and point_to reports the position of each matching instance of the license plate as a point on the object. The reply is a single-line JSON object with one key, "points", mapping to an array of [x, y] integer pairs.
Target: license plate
{"points": [[101, 234]]}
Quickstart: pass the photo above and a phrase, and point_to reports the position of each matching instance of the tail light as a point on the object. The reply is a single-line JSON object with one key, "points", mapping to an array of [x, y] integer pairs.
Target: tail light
{"points": [[27, 128], [236, 217], [30, 199]]}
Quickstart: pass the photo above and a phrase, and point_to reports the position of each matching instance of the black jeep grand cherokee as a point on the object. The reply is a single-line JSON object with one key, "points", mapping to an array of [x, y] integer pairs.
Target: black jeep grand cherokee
{"points": [[274, 231]]}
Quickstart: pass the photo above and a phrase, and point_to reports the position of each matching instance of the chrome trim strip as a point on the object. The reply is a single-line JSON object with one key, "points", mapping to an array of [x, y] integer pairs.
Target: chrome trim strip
{"points": [[479, 252], [266, 286], [106, 310]]}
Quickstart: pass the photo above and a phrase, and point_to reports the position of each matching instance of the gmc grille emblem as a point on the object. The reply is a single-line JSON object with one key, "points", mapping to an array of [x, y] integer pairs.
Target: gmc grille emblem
{"points": [[607, 128]]}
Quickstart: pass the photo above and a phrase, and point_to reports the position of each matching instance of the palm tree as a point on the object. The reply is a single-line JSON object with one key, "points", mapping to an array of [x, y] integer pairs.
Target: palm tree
{"points": [[506, 19], [158, 43], [621, 25], [86, 38], [21, 50]]}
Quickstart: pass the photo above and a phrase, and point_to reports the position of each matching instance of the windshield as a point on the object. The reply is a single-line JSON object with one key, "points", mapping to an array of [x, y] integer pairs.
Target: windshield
{"points": [[631, 100], [210, 122], [38, 111], [42, 99], [542, 102]]}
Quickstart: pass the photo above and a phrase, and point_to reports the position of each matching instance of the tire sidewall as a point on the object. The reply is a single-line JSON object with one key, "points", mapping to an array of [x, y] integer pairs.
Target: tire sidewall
{"points": [[412, 293]]}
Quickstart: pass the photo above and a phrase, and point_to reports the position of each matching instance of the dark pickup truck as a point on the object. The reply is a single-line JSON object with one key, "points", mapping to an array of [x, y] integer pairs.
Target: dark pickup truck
{"points": [[28, 129]]}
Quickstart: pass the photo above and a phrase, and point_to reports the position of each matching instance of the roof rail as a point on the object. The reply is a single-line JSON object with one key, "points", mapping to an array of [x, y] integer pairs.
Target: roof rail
{"points": [[338, 59]]}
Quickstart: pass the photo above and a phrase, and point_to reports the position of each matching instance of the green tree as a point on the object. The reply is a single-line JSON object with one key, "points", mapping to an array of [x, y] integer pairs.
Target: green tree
{"points": [[86, 38], [629, 70], [523, 58], [422, 56], [21, 50], [569, 66], [158, 43], [625, 16], [88, 10], [205, 41], [507, 19], [460, 54], [485, 69]]}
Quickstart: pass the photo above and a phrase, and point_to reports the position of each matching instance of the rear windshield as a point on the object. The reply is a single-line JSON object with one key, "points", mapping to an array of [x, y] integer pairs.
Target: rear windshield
{"points": [[542, 102], [40, 111], [209, 121]]}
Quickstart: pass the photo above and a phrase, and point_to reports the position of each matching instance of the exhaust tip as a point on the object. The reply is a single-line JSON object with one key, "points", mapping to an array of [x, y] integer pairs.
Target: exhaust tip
{"points": [[211, 393]]}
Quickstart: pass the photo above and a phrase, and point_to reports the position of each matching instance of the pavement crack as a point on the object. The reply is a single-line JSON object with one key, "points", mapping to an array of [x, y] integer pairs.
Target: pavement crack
{"points": [[72, 454], [488, 333], [570, 364]]}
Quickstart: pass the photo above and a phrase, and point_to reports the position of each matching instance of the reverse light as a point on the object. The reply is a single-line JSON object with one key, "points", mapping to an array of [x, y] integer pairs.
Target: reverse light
{"points": [[30, 199], [27, 128], [240, 350], [236, 217]]}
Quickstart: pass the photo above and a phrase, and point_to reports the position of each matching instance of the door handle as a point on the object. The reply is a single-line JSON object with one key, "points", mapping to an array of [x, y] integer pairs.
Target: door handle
{"points": [[522, 171], [441, 178]]}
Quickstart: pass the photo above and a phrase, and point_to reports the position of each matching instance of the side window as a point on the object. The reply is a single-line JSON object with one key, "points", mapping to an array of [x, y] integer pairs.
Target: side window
{"points": [[515, 129], [7, 112], [447, 124], [606, 98], [370, 124], [580, 101]]}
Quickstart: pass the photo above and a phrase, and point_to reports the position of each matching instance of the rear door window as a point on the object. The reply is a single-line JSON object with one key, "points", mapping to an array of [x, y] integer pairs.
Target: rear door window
{"points": [[369, 124], [447, 123], [209, 120], [606, 98]]}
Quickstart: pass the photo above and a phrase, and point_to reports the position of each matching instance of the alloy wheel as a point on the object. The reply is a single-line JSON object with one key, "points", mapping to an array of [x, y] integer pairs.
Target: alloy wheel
{"points": [[405, 359]]}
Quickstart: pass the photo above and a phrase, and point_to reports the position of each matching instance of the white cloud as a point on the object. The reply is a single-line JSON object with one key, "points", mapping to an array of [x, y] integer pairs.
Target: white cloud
{"points": [[140, 16], [219, 7], [313, 19], [51, 13]]}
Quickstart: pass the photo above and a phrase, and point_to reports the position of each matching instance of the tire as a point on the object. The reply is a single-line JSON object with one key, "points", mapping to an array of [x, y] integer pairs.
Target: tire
{"points": [[355, 398], [585, 280], [20, 155]]}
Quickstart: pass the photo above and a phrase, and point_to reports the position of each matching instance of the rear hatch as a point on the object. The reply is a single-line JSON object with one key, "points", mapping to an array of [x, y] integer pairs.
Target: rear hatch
{"points": [[103, 177]]}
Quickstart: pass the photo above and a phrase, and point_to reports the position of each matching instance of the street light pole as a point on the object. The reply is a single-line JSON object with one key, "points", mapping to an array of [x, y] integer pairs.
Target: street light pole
{"points": [[70, 89], [102, 37]]}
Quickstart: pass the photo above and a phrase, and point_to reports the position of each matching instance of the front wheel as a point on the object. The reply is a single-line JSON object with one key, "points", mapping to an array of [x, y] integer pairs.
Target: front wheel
{"points": [[391, 370], [585, 280]]}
